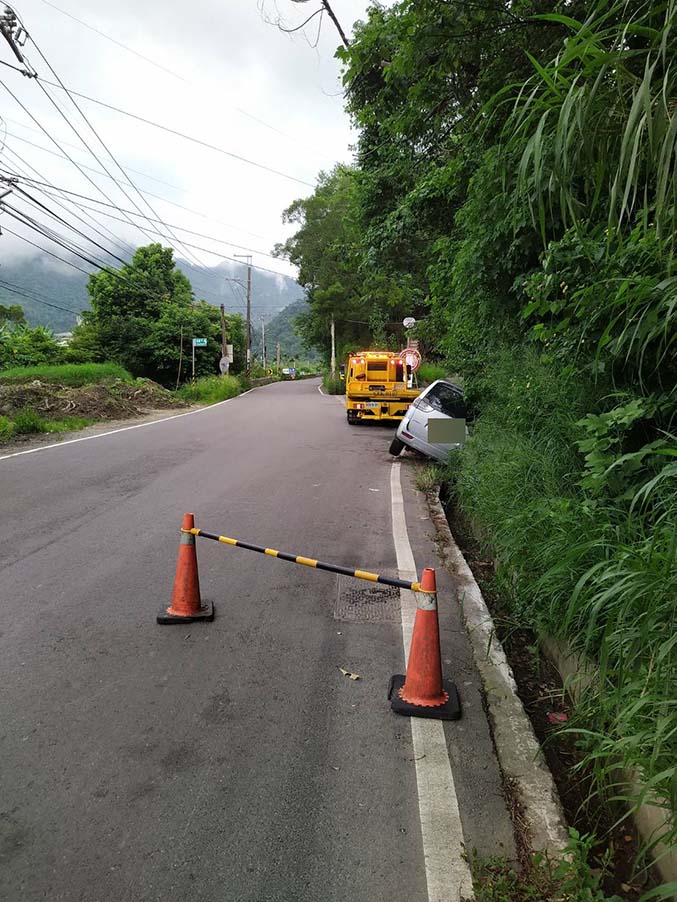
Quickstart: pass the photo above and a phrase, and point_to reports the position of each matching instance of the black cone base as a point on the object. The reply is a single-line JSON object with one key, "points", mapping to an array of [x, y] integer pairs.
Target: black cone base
{"points": [[451, 710], [206, 612]]}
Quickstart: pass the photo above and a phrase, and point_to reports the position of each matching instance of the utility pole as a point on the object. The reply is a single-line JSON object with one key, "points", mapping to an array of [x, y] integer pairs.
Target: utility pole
{"points": [[278, 358], [248, 337], [224, 349], [263, 341], [333, 349]]}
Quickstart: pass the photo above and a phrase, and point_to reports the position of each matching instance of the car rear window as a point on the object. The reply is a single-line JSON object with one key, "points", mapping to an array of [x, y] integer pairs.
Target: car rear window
{"points": [[448, 400]]}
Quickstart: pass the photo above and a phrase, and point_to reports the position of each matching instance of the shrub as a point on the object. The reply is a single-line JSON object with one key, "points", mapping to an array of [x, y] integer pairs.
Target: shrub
{"points": [[333, 386], [27, 422], [7, 429], [73, 374], [210, 389], [429, 372]]}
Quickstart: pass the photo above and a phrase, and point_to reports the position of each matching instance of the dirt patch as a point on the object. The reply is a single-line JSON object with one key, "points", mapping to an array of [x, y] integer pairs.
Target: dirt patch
{"points": [[109, 400], [542, 694]]}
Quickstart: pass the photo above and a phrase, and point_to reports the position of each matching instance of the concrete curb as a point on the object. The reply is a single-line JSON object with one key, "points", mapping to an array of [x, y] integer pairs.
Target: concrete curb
{"points": [[517, 748]]}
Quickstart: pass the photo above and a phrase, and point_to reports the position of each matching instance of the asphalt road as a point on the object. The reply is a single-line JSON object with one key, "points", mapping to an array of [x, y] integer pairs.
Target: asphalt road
{"points": [[225, 761]]}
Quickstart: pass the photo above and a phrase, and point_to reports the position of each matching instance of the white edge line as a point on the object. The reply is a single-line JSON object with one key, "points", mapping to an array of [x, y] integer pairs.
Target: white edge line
{"points": [[448, 876], [87, 438], [319, 388]]}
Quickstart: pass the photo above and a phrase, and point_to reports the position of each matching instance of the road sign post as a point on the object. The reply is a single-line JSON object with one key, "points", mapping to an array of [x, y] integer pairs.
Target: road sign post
{"points": [[197, 343]]}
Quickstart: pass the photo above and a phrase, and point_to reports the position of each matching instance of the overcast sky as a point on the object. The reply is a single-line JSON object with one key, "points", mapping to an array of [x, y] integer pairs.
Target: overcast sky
{"points": [[230, 63]]}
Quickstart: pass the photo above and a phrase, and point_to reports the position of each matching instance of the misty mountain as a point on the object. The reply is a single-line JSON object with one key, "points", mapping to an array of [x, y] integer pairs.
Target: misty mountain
{"points": [[53, 283], [281, 328]]}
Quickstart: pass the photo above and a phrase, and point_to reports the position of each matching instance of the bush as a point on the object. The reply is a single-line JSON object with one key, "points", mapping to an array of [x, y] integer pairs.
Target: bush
{"points": [[210, 389], [73, 374], [429, 372], [584, 536], [7, 429], [28, 422], [333, 386]]}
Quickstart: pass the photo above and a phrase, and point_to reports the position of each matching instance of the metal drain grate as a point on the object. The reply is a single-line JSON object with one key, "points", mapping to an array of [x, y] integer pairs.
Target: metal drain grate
{"points": [[366, 604]]}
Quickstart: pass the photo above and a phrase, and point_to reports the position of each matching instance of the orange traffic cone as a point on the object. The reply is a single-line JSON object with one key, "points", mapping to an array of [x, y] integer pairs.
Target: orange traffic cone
{"points": [[423, 692], [186, 605]]}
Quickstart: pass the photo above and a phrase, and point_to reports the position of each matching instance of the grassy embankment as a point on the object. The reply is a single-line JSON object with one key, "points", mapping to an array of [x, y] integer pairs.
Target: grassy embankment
{"points": [[55, 399]]}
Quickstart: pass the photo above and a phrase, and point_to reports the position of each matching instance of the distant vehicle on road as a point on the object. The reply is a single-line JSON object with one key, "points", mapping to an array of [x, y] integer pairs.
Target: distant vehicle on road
{"points": [[435, 424], [377, 386]]}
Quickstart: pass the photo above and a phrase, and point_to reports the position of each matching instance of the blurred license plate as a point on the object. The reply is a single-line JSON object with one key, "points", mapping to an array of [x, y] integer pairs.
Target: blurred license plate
{"points": [[372, 403]]}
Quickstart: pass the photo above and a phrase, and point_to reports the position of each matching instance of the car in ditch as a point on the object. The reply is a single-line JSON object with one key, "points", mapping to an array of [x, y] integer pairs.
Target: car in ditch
{"points": [[435, 423]]}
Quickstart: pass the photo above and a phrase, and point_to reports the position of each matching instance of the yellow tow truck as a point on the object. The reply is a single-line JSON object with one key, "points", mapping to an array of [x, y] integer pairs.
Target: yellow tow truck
{"points": [[377, 386]]}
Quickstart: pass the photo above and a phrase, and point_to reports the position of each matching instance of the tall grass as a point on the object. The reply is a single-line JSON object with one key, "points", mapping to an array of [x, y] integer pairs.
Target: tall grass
{"points": [[429, 372], [210, 389], [595, 570], [70, 374]]}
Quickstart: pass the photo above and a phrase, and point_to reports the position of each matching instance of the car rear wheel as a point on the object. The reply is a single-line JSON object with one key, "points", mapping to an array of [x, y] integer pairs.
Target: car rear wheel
{"points": [[396, 446]]}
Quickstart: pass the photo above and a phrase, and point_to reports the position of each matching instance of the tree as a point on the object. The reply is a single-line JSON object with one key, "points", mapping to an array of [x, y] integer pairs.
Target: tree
{"points": [[12, 315], [23, 346], [145, 316]]}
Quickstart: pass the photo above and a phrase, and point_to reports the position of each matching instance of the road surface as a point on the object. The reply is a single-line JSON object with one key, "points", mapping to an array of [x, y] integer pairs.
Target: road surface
{"points": [[232, 760]]}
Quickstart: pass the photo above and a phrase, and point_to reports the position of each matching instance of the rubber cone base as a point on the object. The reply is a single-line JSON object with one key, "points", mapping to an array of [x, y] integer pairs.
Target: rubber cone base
{"points": [[206, 612], [450, 710]]}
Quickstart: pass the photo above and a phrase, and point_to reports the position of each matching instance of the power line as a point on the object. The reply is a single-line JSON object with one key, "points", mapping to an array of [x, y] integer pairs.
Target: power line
{"points": [[149, 193], [56, 144], [178, 134], [31, 297], [125, 247], [240, 247], [66, 243], [36, 203], [214, 253], [44, 250], [104, 145], [114, 41]]}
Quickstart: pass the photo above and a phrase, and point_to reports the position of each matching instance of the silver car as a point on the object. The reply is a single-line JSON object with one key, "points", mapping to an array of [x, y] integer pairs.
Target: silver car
{"points": [[435, 422]]}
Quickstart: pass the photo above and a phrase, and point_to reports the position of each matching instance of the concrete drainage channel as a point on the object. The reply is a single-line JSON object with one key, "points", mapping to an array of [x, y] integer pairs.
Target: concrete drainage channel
{"points": [[525, 771]]}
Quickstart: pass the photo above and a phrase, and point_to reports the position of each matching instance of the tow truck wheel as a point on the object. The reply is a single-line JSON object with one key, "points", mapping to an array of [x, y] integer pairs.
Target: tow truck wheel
{"points": [[396, 446], [352, 418]]}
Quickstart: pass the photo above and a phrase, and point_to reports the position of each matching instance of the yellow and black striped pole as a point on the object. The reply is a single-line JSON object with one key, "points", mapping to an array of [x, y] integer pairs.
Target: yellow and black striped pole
{"points": [[309, 561]]}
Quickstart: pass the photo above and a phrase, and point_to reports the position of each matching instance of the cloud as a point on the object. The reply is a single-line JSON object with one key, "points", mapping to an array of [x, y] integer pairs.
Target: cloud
{"points": [[234, 69]]}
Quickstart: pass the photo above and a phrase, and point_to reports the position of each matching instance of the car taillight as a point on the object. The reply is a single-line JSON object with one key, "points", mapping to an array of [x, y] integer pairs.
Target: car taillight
{"points": [[422, 404]]}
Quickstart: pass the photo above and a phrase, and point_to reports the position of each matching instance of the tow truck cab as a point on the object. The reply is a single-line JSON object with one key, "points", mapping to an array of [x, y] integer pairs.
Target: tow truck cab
{"points": [[377, 386]]}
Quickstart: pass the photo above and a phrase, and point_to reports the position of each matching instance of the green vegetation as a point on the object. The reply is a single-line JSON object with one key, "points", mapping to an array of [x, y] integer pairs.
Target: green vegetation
{"points": [[7, 429], [282, 329], [22, 346], [30, 422], [27, 422], [333, 386], [210, 390], [429, 372], [515, 191], [144, 316], [542, 880], [71, 374]]}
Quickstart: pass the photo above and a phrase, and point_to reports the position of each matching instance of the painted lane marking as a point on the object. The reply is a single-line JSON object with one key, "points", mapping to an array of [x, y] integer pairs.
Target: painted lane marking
{"points": [[87, 438], [447, 872]]}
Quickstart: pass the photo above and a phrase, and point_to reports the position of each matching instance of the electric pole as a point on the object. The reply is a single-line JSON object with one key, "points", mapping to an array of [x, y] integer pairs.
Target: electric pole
{"points": [[248, 336], [263, 341], [224, 349], [278, 358]]}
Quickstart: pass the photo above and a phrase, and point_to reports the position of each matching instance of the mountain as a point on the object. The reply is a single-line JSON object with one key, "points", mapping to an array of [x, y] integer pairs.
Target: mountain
{"points": [[53, 283], [281, 328]]}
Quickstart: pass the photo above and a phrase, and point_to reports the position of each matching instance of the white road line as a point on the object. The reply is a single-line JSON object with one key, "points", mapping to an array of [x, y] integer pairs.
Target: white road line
{"points": [[87, 438], [319, 388], [447, 873]]}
